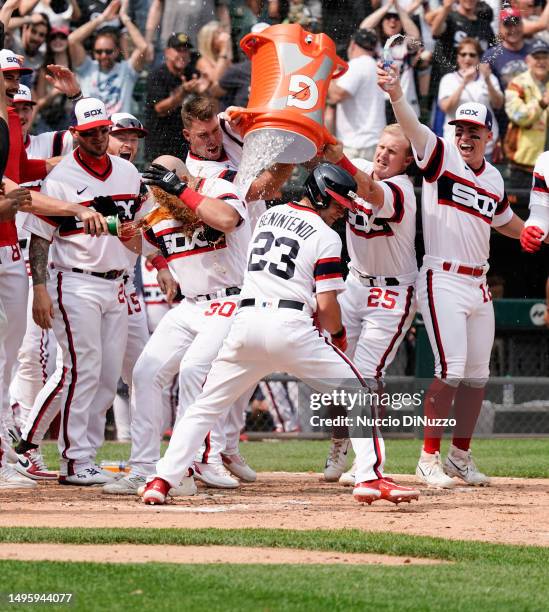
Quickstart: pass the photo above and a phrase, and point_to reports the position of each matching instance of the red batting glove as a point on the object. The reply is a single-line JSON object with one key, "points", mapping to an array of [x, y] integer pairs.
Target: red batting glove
{"points": [[339, 339], [530, 238]]}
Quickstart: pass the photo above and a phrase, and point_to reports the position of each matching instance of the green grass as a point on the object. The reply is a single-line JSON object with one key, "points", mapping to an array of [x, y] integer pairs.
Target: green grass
{"points": [[527, 458], [486, 576]]}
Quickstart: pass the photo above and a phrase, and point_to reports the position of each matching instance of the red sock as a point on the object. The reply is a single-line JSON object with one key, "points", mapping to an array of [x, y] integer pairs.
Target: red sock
{"points": [[467, 407], [437, 405]]}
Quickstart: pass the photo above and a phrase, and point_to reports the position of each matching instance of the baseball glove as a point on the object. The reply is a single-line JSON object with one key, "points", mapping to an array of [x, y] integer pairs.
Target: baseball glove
{"points": [[169, 207]]}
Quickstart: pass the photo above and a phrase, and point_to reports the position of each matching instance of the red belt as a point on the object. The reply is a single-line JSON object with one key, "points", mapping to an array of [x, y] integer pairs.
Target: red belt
{"points": [[8, 233], [469, 270]]}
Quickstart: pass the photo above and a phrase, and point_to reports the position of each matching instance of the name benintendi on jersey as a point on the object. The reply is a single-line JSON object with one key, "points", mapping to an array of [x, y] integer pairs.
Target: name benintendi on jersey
{"points": [[292, 255]]}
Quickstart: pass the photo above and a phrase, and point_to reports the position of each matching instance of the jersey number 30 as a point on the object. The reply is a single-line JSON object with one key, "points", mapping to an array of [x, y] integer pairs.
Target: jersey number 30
{"points": [[285, 266]]}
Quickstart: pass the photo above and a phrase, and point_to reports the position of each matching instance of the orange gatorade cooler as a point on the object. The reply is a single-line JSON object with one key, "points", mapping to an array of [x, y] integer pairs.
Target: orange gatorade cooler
{"points": [[291, 71]]}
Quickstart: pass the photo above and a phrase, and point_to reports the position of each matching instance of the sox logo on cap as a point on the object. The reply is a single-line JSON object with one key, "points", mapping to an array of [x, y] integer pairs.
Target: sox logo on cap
{"points": [[90, 113]]}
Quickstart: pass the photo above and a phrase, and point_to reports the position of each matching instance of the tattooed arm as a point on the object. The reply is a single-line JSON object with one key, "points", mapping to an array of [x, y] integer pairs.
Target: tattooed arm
{"points": [[42, 306]]}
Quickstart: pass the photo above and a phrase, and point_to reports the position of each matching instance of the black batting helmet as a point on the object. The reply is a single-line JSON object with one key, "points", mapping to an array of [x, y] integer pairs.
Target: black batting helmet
{"points": [[328, 181]]}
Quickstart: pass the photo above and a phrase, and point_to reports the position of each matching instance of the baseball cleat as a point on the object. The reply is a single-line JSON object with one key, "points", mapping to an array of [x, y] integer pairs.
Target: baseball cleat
{"points": [[128, 485], [11, 479], [155, 492], [215, 475], [31, 464], [460, 463], [429, 470], [186, 488], [347, 479], [237, 466], [87, 477], [337, 459], [383, 488]]}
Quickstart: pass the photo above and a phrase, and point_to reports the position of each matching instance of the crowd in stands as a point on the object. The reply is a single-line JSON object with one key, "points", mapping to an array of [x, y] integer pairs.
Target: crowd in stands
{"points": [[148, 56]]}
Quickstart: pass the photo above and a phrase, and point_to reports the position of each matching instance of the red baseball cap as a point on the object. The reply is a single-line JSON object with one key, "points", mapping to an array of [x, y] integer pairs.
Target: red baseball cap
{"points": [[510, 15]]}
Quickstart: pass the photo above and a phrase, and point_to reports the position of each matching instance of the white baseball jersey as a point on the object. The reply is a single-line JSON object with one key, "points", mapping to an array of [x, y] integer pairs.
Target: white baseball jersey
{"points": [[46, 145], [380, 241], [74, 181], [199, 266], [459, 204], [293, 255], [539, 196]]}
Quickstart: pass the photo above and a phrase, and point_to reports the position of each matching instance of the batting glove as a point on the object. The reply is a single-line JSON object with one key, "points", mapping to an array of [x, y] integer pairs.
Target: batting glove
{"points": [[339, 339], [530, 238], [159, 176]]}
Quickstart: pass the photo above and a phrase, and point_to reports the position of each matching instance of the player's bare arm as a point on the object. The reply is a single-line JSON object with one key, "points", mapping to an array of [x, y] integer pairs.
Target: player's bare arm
{"points": [[213, 211], [416, 132], [167, 283], [267, 184], [42, 306], [368, 188], [13, 201], [511, 229]]}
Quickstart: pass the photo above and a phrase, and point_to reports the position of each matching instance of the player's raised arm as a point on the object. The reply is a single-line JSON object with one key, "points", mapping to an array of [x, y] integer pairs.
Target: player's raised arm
{"points": [[213, 211], [416, 132]]}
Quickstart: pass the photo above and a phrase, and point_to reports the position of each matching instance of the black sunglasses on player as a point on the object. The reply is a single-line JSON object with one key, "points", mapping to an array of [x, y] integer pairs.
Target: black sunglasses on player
{"points": [[127, 123]]}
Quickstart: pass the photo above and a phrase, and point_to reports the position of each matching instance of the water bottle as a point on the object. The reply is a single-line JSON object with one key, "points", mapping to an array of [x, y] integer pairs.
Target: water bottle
{"points": [[508, 394], [114, 466]]}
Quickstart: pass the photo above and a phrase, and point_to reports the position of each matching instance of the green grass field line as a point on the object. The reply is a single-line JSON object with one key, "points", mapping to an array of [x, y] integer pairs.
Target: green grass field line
{"points": [[520, 458], [341, 540]]}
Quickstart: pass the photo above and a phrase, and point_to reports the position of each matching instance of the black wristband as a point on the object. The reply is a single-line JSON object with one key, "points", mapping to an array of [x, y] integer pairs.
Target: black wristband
{"points": [[75, 97], [2, 35], [340, 333]]}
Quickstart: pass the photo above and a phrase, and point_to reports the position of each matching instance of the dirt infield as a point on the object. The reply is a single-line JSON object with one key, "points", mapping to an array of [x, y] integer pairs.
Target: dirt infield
{"points": [[513, 511], [140, 553]]}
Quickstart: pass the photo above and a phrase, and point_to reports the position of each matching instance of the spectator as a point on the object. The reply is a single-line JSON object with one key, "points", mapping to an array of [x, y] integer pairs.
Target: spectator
{"points": [[188, 17], [526, 102], [106, 77], [535, 24], [53, 108], [167, 86], [360, 113], [471, 82], [59, 12], [342, 18], [449, 27], [216, 51], [391, 19], [509, 59], [34, 31]]}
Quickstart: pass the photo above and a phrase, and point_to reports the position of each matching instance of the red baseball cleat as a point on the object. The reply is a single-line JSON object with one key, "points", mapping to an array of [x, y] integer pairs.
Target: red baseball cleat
{"points": [[383, 488], [156, 492]]}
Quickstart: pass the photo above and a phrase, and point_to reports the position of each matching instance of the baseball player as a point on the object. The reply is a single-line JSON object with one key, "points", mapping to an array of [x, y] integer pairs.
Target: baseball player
{"points": [[209, 265], [215, 150], [378, 305], [88, 312], [123, 142], [463, 196], [536, 226], [294, 269]]}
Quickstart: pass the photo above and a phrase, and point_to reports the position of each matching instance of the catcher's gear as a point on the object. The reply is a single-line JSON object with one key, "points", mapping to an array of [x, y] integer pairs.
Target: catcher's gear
{"points": [[530, 238], [105, 205], [329, 181], [159, 176], [339, 339]]}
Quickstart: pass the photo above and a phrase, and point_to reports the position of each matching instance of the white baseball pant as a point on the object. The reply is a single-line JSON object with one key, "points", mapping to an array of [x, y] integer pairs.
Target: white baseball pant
{"points": [[260, 342], [14, 289], [36, 359], [3, 330], [186, 340], [459, 318], [90, 324]]}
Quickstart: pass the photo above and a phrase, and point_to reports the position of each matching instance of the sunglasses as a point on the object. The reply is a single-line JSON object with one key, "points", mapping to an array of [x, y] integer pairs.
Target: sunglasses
{"points": [[103, 51], [396, 17], [95, 132], [127, 123], [468, 54]]}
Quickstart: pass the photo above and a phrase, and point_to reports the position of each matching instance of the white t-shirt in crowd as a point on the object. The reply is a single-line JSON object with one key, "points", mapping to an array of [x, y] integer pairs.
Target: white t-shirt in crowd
{"points": [[475, 91], [360, 118]]}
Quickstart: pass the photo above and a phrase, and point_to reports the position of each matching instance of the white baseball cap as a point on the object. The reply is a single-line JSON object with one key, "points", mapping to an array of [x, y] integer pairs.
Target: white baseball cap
{"points": [[23, 95], [473, 112], [9, 62], [90, 113], [126, 122], [259, 27]]}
